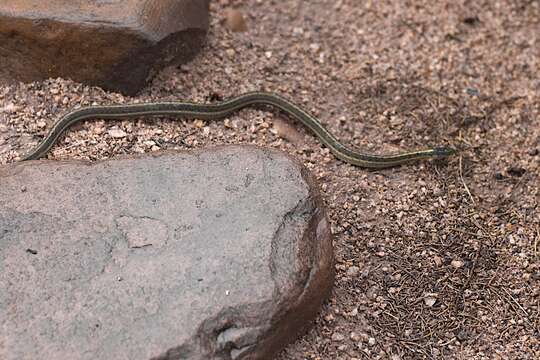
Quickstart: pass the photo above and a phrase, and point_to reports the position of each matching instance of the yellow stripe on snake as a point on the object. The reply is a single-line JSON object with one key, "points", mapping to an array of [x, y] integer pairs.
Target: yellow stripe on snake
{"points": [[223, 109]]}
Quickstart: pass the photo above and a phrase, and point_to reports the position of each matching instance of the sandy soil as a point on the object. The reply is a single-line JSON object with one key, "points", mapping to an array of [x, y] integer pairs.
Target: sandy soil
{"points": [[434, 260]]}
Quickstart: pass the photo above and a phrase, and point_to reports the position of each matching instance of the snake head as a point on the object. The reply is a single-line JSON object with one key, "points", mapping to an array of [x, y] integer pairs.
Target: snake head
{"points": [[442, 152]]}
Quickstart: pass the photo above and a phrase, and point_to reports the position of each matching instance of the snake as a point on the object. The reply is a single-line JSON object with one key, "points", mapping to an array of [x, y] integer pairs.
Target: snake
{"points": [[222, 109]]}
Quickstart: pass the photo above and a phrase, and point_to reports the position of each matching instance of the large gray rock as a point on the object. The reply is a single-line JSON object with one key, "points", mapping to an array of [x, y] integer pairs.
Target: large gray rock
{"points": [[115, 44], [224, 253]]}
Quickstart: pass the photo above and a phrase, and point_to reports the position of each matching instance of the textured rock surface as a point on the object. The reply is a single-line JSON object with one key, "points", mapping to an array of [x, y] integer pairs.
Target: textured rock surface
{"points": [[115, 44], [216, 254]]}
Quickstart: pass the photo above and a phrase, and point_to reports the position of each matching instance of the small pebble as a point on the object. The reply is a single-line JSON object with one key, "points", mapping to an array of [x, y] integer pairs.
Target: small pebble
{"points": [[117, 133], [10, 108], [234, 20], [430, 299], [199, 124], [353, 271]]}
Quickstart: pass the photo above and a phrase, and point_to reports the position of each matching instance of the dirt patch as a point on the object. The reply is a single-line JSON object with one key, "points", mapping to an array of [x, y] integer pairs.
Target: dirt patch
{"points": [[434, 260]]}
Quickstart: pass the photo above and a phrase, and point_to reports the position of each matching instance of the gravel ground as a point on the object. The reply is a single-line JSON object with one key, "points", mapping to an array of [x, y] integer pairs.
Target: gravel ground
{"points": [[433, 260]]}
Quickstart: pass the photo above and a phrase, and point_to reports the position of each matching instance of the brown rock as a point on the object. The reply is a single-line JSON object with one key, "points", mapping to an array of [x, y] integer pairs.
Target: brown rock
{"points": [[114, 44], [234, 19], [218, 254]]}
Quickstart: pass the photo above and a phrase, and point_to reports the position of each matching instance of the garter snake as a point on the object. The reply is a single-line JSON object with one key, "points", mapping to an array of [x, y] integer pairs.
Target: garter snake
{"points": [[222, 109]]}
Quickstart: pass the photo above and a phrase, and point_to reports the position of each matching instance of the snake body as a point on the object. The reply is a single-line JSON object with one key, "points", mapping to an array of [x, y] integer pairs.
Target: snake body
{"points": [[223, 109]]}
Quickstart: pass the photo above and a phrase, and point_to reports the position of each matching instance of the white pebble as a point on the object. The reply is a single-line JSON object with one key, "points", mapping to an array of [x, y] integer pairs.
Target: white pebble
{"points": [[117, 133], [353, 271]]}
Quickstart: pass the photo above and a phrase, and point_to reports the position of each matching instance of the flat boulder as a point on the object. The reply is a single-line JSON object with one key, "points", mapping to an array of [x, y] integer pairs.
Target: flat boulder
{"points": [[115, 44], [222, 253]]}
